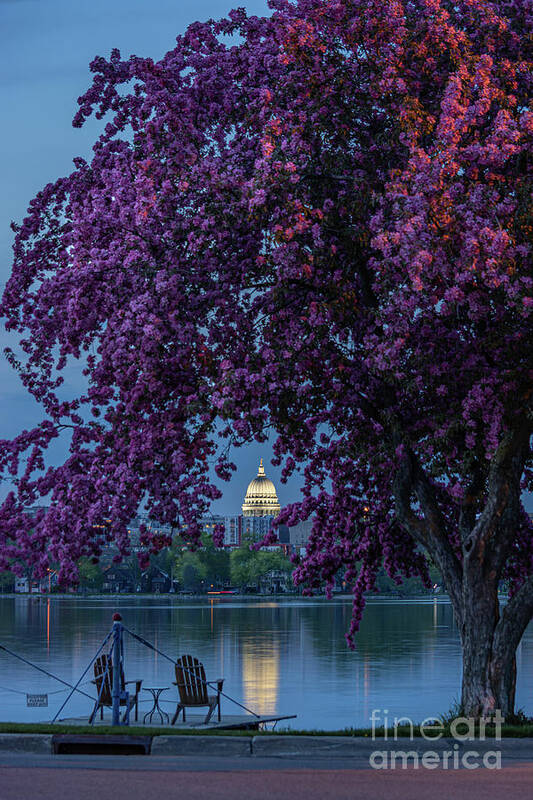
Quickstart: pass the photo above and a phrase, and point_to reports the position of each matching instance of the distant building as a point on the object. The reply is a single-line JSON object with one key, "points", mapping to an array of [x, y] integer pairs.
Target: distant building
{"points": [[232, 531], [118, 578], [299, 534], [23, 585], [261, 499], [276, 581], [256, 527], [284, 534], [232, 528]]}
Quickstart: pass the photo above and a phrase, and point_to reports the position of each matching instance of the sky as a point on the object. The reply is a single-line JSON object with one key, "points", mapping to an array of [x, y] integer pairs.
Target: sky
{"points": [[46, 48]]}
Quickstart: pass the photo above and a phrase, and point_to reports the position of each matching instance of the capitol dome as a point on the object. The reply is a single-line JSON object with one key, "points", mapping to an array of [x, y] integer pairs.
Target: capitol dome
{"points": [[261, 499]]}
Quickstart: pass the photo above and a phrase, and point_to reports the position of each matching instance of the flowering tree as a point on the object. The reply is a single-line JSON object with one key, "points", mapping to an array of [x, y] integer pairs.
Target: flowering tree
{"points": [[318, 223]]}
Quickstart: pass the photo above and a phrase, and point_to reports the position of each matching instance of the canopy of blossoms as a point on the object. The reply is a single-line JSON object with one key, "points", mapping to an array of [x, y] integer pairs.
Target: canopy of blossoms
{"points": [[317, 223]]}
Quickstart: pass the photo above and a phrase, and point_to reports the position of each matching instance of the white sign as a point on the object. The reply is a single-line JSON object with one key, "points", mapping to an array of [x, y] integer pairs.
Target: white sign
{"points": [[35, 700]]}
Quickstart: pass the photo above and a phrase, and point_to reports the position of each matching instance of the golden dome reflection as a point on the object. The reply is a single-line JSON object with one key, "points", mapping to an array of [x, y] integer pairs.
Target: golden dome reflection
{"points": [[260, 676], [261, 499]]}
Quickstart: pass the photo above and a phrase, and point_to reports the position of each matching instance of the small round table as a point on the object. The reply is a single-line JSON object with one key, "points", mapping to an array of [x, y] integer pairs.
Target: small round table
{"points": [[156, 708]]}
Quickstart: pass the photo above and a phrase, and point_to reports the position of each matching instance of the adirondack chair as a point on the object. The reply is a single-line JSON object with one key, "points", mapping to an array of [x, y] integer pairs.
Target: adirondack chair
{"points": [[103, 680], [192, 688]]}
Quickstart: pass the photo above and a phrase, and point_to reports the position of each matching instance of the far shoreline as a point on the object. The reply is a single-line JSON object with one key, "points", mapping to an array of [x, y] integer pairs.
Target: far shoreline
{"points": [[346, 596]]}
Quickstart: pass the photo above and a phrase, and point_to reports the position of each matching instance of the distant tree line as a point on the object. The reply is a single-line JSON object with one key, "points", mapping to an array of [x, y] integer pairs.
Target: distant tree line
{"points": [[241, 568], [217, 568]]}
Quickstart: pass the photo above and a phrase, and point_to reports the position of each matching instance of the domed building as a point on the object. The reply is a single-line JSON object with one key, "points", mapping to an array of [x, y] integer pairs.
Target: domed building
{"points": [[261, 499]]}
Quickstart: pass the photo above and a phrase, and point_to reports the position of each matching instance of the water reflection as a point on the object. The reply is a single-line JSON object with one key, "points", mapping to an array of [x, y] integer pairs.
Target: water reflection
{"points": [[260, 676], [285, 657]]}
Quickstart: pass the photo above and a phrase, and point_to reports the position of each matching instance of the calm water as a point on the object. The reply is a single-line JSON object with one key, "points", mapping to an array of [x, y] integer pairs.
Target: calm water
{"points": [[278, 657]]}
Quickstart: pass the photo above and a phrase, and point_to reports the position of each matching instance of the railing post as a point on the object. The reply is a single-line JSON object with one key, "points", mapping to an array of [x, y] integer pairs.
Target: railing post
{"points": [[117, 653]]}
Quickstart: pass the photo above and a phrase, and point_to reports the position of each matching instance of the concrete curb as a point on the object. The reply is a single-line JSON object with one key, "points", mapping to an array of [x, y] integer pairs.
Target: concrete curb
{"points": [[26, 742], [339, 746], [510, 748], [314, 746], [357, 747], [288, 747], [202, 746]]}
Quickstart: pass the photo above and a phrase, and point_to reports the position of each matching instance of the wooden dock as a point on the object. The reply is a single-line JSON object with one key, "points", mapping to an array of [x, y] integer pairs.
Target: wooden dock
{"points": [[194, 722]]}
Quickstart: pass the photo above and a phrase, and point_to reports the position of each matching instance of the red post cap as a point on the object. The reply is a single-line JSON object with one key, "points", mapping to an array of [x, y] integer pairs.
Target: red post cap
{"points": [[117, 617]]}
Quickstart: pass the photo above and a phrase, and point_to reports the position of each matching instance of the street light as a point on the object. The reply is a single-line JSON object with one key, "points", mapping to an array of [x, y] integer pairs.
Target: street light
{"points": [[50, 573]]}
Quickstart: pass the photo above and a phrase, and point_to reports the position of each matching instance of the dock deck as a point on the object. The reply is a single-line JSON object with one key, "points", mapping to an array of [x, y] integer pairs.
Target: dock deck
{"points": [[194, 722]]}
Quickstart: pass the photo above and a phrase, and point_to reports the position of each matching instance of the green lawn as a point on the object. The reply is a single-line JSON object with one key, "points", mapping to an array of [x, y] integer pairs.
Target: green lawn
{"points": [[519, 731]]}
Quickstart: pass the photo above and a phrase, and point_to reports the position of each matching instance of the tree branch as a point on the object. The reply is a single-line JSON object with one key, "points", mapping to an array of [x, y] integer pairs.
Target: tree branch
{"points": [[503, 496], [515, 617], [467, 512], [430, 531]]}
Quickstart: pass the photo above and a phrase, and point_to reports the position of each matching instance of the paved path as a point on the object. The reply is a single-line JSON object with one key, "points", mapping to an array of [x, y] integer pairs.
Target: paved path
{"points": [[29, 777]]}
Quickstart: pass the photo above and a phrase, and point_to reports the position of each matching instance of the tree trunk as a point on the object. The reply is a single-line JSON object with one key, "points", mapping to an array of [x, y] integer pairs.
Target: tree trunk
{"points": [[489, 674], [487, 528], [489, 653]]}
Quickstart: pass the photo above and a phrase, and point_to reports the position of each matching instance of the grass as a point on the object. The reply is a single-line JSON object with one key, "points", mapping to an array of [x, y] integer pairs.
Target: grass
{"points": [[131, 730], [521, 731]]}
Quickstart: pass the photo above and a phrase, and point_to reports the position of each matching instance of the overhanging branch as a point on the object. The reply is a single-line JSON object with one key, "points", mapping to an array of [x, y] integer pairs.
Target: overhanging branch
{"points": [[429, 531]]}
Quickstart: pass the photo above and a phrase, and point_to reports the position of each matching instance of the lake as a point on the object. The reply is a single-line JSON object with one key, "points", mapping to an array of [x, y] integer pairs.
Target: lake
{"points": [[277, 656]]}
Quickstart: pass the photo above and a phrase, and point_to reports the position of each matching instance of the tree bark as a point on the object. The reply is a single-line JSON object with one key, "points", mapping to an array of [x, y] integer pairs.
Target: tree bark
{"points": [[489, 662], [472, 568], [489, 682], [490, 635]]}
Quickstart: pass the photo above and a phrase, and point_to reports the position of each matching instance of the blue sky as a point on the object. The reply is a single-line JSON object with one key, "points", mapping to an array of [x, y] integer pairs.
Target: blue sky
{"points": [[46, 48]]}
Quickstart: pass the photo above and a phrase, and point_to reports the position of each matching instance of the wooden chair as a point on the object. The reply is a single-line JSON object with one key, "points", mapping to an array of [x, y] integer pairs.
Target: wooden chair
{"points": [[103, 680], [192, 688]]}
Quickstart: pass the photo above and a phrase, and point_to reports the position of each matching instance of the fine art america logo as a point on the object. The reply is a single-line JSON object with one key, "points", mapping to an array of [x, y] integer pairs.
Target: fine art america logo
{"points": [[464, 747]]}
